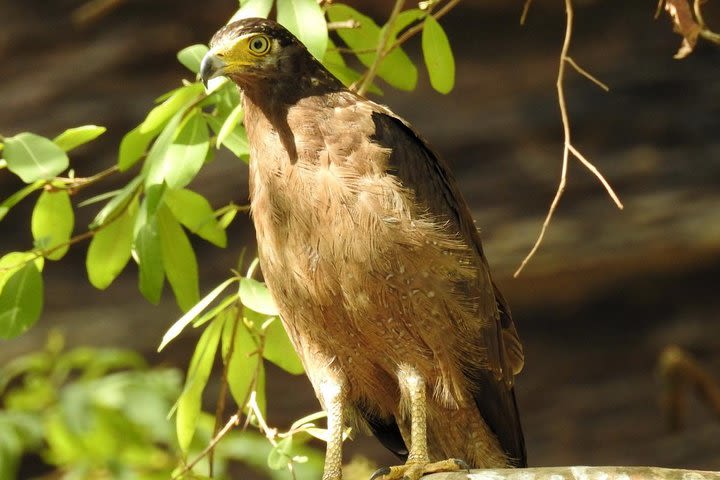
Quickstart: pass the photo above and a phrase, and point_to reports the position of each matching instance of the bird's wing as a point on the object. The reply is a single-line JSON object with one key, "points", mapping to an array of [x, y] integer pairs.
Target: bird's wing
{"points": [[424, 172]]}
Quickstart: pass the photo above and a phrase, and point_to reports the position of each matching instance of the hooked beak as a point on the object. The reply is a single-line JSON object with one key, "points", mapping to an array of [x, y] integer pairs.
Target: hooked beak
{"points": [[211, 66]]}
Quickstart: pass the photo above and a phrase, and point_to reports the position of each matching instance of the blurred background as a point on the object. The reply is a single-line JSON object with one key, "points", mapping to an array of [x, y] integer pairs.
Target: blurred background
{"points": [[608, 289]]}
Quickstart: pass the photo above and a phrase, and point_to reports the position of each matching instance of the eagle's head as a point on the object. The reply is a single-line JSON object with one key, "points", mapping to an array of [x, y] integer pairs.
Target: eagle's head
{"points": [[257, 52]]}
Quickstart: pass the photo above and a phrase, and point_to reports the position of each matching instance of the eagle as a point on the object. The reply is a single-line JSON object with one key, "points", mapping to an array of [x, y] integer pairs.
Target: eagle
{"points": [[371, 254]]}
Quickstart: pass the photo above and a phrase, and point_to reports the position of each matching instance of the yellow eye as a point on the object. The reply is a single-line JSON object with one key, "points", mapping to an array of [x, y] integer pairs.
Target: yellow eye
{"points": [[259, 45]]}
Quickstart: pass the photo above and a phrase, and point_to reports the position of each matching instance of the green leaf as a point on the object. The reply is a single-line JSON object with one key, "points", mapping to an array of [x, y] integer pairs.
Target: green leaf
{"points": [[21, 301], [243, 365], [74, 137], [52, 222], [306, 20], [149, 256], [178, 260], [252, 8], [118, 202], [279, 456], [236, 141], [191, 314], [186, 154], [133, 146], [14, 261], [404, 19], [190, 402], [110, 250], [438, 56], [227, 218], [279, 350], [158, 164], [32, 157], [228, 126], [256, 296], [163, 112], [18, 196], [192, 56], [396, 68], [193, 210]]}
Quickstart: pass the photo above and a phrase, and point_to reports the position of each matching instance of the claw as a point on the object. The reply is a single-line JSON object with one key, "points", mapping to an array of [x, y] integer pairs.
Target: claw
{"points": [[380, 472], [462, 464]]}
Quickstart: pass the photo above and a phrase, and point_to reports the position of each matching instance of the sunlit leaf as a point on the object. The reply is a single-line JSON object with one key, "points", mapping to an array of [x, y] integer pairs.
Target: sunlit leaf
{"points": [[32, 157], [438, 56], [192, 56], [118, 202], [179, 260], [404, 19], [256, 296], [396, 68], [52, 223], [14, 261], [279, 350], [133, 147], [190, 401], [170, 106], [227, 218], [149, 256], [110, 249], [243, 366], [21, 301], [191, 314], [306, 20], [228, 126], [252, 8], [158, 164], [236, 141], [74, 137], [186, 154], [194, 212]]}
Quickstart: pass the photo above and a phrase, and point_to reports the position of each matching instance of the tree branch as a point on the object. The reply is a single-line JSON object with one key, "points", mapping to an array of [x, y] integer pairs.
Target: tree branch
{"points": [[578, 473]]}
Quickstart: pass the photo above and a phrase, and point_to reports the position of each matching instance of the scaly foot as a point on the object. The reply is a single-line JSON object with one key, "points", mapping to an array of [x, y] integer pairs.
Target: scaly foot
{"points": [[415, 470]]}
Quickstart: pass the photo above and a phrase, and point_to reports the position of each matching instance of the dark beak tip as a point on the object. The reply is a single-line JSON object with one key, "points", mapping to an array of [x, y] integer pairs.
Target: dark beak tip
{"points": [[210, 67]]}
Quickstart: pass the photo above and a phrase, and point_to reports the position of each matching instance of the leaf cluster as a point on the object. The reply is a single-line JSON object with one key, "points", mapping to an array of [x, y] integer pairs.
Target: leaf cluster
{"points": [[150, 221]]}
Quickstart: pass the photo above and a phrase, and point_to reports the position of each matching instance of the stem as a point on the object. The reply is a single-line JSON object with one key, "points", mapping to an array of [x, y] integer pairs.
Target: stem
{"points": [[381, 51]]}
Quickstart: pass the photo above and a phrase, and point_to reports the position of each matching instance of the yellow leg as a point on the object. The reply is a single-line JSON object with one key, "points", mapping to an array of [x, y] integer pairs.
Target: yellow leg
{"points": [[414, 400], [333, 396]]}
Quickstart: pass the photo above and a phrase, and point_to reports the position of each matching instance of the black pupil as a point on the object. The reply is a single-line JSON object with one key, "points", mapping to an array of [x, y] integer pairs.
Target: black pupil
{"points": [[258, 44]]}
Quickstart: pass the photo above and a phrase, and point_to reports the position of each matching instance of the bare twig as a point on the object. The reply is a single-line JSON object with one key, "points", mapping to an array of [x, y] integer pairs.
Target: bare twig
{"points": [[526, 8], [587, 74], [577, 473], [352, 23], [232, 422], [568, 148], [680, 372]]}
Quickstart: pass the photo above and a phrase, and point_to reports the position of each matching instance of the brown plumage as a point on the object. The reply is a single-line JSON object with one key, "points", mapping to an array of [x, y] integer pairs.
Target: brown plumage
{"points": [[372, 256]]}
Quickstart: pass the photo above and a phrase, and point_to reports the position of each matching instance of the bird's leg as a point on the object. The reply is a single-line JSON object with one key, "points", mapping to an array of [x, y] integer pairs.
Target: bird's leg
{"points": [[333, 396], [414, 401]]}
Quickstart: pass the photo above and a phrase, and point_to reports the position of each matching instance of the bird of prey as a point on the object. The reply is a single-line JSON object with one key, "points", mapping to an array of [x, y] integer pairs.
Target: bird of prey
{"points": [[370, 252]]}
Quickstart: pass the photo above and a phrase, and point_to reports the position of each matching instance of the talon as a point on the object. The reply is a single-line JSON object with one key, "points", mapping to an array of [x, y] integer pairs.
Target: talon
{"points": [[462, 464], [380, 472]]}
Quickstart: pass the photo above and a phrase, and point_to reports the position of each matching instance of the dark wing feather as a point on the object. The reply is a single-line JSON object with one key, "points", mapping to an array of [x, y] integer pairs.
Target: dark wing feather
{"points": [[387, 431], [422, 171]]}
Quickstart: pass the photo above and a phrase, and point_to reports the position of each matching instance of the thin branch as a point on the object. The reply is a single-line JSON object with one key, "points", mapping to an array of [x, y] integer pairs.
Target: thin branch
{"points": [[567, 146], [566, 132], [352, 23], [384, 37], [578, 473], [232, 422], [526, 8], [599, 175], [409, 33], [587, 74]]}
